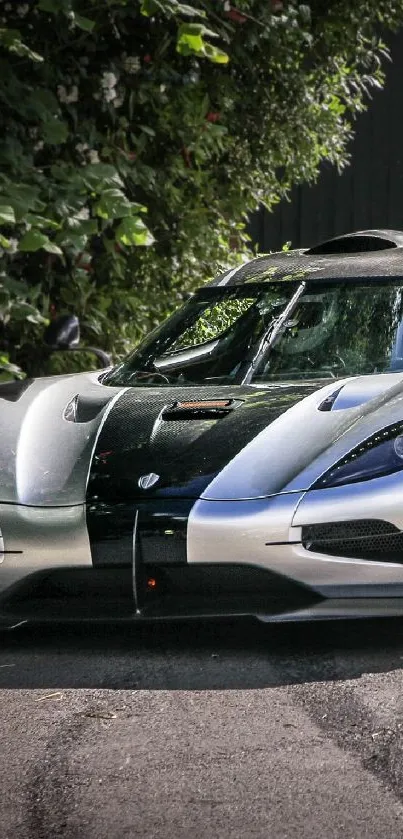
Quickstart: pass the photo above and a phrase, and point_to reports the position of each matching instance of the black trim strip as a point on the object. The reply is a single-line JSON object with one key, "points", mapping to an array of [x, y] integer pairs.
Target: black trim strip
{"points": [[135, 564], [283, 543]]}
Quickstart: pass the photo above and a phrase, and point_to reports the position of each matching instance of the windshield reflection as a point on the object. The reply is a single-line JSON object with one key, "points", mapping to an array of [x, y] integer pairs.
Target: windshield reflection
{"points": [[271, 332]]}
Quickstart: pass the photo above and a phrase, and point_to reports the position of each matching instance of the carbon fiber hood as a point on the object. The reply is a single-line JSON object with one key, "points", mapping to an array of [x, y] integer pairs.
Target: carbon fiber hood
{"points": [[278, 440], [186, 454]]}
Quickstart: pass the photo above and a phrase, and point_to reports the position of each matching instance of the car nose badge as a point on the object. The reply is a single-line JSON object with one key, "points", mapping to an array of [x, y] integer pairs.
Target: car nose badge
{"points": [[148, 481]]}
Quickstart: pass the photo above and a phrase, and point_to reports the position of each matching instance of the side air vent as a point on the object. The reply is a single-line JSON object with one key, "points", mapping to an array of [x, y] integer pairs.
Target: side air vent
{"points": [[362, 242], [370, 539]]}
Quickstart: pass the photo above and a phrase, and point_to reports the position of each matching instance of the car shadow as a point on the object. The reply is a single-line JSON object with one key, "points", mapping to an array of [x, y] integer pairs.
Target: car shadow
{"points": [[213, 655]]}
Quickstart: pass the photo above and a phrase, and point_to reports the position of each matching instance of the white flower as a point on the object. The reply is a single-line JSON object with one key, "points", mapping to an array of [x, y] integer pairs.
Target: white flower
{"points": [[61, 92], [39, 145], [65, 97], [93, 156], [82, 147], [83, 214], [109, 81], [23, 10], [110, 95], [118, 101], [73, 95]]}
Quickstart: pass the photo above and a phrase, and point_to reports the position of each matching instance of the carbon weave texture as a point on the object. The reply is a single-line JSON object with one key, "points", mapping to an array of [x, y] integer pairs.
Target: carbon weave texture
{"points": [[299, 265], [185, 454]]}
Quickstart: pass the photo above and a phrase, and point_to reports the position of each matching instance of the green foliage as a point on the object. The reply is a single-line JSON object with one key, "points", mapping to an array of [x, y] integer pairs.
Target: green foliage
{"points": [[212, 322], [139, 134]]}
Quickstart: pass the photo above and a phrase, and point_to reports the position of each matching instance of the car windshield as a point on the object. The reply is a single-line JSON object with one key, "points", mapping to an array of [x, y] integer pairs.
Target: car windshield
{"points": [[269, 332]]}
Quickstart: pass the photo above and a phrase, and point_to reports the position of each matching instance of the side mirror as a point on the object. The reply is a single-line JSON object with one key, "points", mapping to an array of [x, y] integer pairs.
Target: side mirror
{"points": [[63, 333]]}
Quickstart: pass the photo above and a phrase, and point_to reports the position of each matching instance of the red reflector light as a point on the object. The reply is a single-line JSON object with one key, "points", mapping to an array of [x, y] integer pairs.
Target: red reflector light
{"points": [[151, 582]]}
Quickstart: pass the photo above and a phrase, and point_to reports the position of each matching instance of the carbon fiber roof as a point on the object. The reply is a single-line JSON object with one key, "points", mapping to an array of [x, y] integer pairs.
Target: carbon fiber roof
{"points": [[363, 255]]}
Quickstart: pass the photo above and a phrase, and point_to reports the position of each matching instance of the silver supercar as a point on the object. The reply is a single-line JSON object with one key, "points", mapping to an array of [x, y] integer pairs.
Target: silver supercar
{"points": [[246, 459]]}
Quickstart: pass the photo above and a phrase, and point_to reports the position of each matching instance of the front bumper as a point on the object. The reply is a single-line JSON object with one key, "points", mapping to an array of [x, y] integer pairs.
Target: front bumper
{"points": [[172, 558]]}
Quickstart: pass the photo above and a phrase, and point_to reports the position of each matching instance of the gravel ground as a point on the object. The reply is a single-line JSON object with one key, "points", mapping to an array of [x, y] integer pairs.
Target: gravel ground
{"points": [[225, 730]]}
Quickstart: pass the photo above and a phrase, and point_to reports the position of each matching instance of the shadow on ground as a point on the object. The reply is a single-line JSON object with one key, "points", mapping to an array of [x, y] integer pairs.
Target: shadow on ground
{"points": [[197, 656]]}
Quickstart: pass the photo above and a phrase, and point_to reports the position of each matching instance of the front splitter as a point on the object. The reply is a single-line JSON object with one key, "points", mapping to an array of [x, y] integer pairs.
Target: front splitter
{"points": [[90, 596]]}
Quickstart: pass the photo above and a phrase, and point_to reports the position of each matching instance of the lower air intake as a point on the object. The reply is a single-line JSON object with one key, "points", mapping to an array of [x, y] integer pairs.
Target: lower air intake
{"points": [[369, 539]]}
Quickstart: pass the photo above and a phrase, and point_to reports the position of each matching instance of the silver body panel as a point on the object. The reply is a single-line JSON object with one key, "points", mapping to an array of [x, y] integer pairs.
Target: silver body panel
{"points": [[263, 532], [295, 449], [44, 460], [250, 514], [41, 538]]}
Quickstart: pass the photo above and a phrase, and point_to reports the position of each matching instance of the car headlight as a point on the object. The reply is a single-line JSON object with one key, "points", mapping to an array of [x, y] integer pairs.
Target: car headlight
{"points": [[381, 454]]}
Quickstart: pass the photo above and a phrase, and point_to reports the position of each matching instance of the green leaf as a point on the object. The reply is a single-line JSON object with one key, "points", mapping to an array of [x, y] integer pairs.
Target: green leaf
{"points": [[81, 227], [5, 364], [33, 240], [100, 175], [84, 22], [173, 7], [4, 243], [7, 214], [25, 311], [215, 55], [50, 247], [191, 40], [189, 11], [41, 221], [147, 130], [50, 5], [138, 208], [77, 242], [23, 198], [197, 29], [133, 232], [55, 132], [187, 44], [43, 104], [11, 40], [149, 8], [113, 204]]}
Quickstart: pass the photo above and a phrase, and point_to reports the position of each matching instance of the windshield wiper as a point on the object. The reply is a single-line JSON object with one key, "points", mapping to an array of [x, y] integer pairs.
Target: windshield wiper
{"points": [[251, 364]]}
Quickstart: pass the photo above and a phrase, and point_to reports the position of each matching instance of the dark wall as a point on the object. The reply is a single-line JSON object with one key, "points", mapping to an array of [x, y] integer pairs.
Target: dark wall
{"points": [[368, 194]]}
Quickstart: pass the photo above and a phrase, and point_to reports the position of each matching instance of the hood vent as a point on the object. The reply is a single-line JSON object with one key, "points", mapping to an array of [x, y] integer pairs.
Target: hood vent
{"points": [[328, 403], [360, 242], [203, 409]]}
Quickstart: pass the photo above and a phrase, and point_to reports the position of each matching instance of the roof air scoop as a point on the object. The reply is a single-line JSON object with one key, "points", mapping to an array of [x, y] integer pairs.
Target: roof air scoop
{"points": [[363, 241]]}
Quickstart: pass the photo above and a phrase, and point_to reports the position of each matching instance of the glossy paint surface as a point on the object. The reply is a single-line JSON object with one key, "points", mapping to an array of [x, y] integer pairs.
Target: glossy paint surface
{"points": [[186, 453], [44, 459]]}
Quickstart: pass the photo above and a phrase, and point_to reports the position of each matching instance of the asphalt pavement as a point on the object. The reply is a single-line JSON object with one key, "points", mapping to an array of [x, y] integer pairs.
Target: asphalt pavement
{"points": [[227, 730]]}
